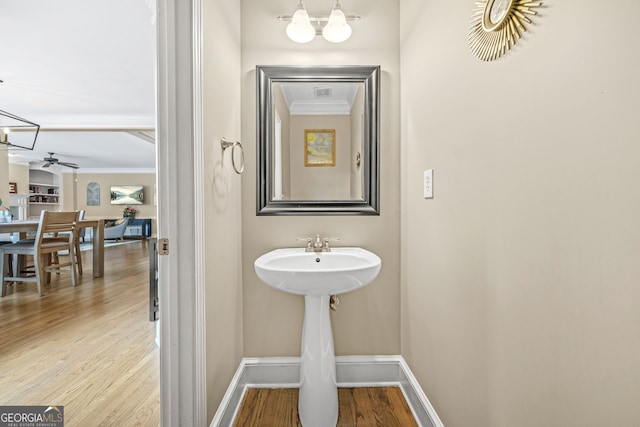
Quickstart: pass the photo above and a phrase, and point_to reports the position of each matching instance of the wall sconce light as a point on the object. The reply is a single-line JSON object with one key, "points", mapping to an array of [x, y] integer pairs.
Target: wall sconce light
{"points": [[303, 28], [21, 130]]}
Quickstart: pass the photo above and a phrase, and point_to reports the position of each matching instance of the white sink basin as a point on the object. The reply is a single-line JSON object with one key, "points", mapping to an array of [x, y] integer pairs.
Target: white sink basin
{"points": [[318, 273]]}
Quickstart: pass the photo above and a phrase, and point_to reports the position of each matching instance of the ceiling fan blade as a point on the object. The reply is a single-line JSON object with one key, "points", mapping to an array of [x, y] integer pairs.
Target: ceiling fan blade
{"points": [[46, 165], [69, 165]]}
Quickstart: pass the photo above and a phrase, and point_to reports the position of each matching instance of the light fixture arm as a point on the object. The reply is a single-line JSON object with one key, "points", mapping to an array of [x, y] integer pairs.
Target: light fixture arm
{"points": [[9, 121], [318, 20]]}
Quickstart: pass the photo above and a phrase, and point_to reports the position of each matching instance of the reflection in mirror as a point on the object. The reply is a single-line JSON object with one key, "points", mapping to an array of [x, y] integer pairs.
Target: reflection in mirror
{"points": [[323, 126], [318, 140]]}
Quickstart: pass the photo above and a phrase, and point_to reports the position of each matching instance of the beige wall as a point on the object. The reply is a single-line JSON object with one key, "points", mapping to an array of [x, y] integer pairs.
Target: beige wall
{"points": [[20, 175], [368, 320], [74, 194], [222, 233], [520, 277], [356, 190]]}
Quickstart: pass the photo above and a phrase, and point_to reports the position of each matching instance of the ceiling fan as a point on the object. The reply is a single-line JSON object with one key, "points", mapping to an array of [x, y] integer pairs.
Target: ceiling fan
{"points": [[48, 161]]}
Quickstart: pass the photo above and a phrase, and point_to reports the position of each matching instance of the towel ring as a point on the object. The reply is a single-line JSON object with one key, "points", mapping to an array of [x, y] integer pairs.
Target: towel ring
{"points": [[224, 143]]}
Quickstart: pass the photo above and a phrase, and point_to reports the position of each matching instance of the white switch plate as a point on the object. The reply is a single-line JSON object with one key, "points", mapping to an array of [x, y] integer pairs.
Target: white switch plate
{"points": [[428, 184]]}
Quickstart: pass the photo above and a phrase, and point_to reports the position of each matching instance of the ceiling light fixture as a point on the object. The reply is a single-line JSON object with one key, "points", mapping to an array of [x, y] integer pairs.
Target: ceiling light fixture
{"points": [[22, 131], [337, 30], [300, 29], [303, 27]]}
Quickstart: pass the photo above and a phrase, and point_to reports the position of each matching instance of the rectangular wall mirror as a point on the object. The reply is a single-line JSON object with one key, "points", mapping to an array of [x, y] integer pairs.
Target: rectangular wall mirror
{"points": [[318, 143]]}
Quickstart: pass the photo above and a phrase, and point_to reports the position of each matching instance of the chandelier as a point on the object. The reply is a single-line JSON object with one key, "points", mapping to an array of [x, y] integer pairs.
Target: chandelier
{"points": [[17, 132]]}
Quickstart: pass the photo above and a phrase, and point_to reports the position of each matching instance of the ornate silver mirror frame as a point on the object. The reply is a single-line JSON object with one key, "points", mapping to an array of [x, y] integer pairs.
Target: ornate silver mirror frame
{"points": [[369, 76]]}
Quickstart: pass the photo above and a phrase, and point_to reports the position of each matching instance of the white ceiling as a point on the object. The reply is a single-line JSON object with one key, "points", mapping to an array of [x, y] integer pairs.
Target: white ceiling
{"points": [[76, 65], [320, 98]]}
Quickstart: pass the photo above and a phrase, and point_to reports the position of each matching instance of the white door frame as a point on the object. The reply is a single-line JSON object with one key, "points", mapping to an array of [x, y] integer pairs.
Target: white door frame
{"points": [[180, 212], [277, 166]]}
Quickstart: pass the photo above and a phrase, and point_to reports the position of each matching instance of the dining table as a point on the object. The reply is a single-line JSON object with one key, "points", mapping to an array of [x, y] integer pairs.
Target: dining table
{"points": [[27, 225]]}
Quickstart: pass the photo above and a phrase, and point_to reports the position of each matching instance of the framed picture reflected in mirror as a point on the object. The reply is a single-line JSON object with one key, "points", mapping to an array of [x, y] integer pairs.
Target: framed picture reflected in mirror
{"points": [[319, 147]]}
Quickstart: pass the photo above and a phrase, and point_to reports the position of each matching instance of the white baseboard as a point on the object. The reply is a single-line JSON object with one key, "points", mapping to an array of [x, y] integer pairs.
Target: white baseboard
{"points": [[351, 371]]}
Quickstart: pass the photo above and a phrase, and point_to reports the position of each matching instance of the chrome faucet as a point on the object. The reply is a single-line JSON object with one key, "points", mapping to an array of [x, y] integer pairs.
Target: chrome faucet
{"points": [[318, 244]]}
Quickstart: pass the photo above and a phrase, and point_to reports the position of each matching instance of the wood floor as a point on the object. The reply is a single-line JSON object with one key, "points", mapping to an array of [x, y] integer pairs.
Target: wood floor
{"points": [[90, 348], [358, 407]]}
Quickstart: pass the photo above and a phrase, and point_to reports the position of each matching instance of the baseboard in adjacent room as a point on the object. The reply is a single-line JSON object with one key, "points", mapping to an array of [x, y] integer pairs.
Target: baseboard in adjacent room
{"points": [[351, 371]]}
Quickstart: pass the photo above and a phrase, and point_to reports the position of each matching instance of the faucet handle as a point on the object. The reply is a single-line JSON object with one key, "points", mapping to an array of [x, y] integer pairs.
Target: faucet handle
{"points": [[327, 240], [306, 239]]}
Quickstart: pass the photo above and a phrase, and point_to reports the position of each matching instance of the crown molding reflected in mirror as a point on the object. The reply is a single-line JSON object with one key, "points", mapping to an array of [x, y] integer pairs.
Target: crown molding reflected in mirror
{"points": [[318, 140]]}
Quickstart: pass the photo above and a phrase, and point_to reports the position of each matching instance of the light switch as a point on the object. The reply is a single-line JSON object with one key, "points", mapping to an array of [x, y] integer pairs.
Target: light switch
{"points": [[428, 184]]}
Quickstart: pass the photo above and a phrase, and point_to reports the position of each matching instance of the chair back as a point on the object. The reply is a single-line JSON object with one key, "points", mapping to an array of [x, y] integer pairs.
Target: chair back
{"points": [[55, 223], [81, 232]]}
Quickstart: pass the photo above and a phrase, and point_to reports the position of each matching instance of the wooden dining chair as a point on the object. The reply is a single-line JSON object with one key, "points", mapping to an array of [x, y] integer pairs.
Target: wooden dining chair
{"points": [[5, 239], [42, 248], [76, 242], [76, 245]]}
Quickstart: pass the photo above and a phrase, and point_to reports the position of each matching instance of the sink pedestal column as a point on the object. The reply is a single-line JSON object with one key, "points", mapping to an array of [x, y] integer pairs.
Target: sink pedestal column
{"points": [[318, 398]]}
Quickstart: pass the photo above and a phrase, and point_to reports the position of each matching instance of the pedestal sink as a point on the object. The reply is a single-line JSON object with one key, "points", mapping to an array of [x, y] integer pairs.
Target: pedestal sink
{"points": [[317, 276]]}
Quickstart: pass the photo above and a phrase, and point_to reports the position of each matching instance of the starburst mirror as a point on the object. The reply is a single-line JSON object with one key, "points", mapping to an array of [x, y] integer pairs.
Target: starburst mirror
{"points": [[496, 25]]}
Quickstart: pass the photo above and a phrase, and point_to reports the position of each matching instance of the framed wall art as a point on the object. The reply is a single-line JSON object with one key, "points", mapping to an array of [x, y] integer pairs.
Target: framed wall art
{"points": [[319, 147], [93, 194], [127, 195], [496, 25]]}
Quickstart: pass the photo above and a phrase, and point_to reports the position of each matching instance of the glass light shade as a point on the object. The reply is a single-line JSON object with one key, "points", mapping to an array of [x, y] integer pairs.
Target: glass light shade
{"points": [[337, 30], [300, 29]]}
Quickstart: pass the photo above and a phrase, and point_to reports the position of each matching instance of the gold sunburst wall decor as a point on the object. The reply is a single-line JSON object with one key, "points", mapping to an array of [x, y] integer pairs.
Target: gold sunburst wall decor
{"points": [[497, 24]]}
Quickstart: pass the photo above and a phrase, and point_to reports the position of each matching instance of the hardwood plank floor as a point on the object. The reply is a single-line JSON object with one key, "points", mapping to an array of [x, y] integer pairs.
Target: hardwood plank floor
{"points": [[358, 407], [90, 348]]}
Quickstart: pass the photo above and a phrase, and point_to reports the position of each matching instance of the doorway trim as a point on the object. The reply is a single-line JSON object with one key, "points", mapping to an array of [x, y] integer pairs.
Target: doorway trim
{"points": [[180, 212]]}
